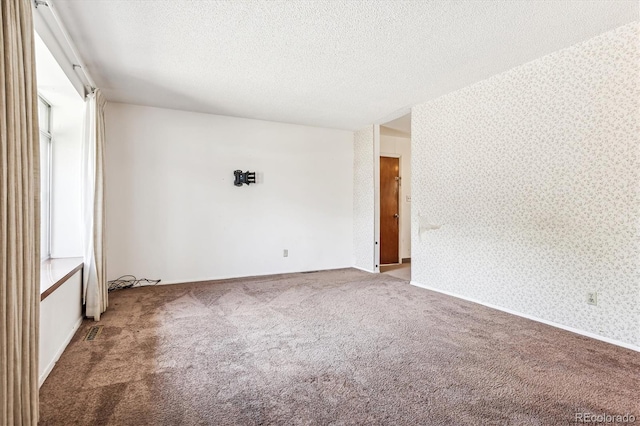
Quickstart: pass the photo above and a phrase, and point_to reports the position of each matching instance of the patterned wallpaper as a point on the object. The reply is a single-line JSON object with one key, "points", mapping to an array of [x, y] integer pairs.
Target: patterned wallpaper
{"points": [[534, 176], [363, 198]]}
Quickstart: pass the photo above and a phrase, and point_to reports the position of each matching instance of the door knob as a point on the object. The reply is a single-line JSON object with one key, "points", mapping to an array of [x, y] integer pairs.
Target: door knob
{"points": [[396, 215]]}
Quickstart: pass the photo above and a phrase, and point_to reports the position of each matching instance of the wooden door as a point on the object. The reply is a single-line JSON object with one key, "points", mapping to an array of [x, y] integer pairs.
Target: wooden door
{"points": [[389, 209]]}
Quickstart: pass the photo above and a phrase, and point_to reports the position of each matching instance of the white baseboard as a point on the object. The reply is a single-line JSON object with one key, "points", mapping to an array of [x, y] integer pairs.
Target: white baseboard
{"points": [[365, 270], [531, 317], [55, 359], [233, 277]]}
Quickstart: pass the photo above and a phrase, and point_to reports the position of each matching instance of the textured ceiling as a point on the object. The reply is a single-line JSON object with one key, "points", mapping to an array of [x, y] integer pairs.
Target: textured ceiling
{"points": [[341, 64]]}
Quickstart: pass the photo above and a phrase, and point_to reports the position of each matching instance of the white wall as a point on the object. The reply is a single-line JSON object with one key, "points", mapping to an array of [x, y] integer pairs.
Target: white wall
{"points": [[397, 146], [533, 175], [60, 317], [364, 206], [174, 214]]}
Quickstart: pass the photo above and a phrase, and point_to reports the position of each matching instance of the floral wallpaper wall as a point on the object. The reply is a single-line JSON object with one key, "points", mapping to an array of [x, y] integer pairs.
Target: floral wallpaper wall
{"points": [[363, 199], [534, 176]]}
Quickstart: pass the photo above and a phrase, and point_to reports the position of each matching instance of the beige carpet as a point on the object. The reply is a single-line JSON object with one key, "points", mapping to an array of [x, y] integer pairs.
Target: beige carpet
{"points": [[402, 271], [335, 347]]}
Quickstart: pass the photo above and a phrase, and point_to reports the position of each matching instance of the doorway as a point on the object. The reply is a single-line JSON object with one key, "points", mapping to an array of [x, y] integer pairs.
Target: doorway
{"points": [[389, 210], [393, 195]]}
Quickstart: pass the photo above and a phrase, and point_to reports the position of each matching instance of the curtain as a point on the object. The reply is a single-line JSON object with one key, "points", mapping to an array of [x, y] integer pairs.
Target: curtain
{"points": [[19, 217], [95, 275]]}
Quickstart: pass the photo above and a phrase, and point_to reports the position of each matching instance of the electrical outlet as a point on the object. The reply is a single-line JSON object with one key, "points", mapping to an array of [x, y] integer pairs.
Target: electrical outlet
{"points": [[592, 298], [285, 253]]}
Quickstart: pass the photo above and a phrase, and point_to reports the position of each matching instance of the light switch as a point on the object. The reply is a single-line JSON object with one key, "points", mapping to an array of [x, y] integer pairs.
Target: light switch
{"points": [[408, 198]]}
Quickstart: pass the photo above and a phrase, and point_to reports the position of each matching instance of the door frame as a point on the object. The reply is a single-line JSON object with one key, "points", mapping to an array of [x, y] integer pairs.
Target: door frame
{"points": [[376, 198], [400, 209]]}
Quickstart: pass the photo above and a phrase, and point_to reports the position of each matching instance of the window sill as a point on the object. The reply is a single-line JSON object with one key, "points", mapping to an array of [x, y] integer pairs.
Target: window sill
{"points": [[54, 273]]}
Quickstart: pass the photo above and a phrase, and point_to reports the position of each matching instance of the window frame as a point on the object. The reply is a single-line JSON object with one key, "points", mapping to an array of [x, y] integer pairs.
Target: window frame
{"points": [[47, 134]]}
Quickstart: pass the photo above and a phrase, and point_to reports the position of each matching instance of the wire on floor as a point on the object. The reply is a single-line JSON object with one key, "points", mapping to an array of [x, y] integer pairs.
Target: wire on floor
{"points": [[130, 281]]}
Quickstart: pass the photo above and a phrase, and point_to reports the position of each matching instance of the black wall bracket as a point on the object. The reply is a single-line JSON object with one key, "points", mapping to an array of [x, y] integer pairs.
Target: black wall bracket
{"points": [[244, 177]]}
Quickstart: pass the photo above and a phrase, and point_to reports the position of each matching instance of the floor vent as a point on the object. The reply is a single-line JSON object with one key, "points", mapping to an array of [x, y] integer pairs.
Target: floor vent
{"points": [[310, 272], [93, 332]]}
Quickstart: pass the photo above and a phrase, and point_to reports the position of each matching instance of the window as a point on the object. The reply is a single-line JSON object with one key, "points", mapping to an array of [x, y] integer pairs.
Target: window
{"points": [[44, 122]]}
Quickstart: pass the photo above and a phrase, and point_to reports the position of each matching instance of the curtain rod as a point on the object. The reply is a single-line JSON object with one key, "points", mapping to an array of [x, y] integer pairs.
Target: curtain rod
{"points": [[76, 62]]}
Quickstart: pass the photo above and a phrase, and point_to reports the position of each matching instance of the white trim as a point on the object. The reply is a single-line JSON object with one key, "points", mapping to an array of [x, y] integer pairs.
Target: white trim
{"points": [[376, 197], [47, 134], [531, 317], [55, 359]]}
